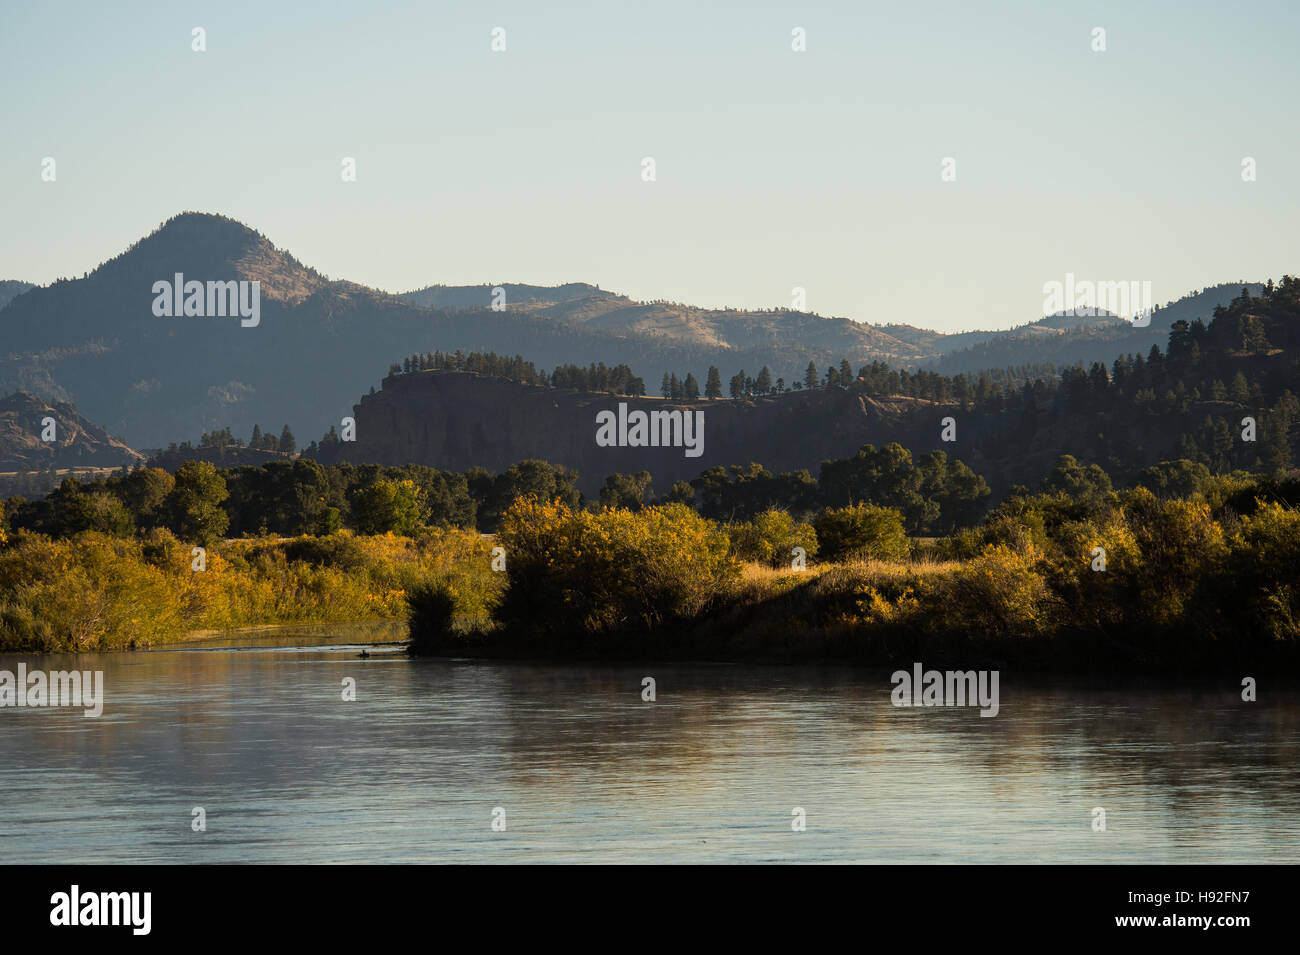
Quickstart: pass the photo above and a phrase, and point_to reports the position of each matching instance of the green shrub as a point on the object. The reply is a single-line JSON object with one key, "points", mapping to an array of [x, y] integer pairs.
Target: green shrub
{"points": [[194, 504], [388, 506], [861, 532], [771, 537]]}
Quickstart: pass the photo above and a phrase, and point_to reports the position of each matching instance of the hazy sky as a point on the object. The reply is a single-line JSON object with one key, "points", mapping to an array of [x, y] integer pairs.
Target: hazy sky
{"points": [[775, 168]]}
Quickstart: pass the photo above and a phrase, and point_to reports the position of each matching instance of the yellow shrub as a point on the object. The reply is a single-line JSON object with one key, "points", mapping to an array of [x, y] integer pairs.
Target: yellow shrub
{"points": [[616, 570]]}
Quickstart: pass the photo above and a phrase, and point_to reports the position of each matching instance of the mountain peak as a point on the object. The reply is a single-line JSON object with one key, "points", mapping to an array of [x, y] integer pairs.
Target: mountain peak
{"points": [[208, 227], [206, 246]]}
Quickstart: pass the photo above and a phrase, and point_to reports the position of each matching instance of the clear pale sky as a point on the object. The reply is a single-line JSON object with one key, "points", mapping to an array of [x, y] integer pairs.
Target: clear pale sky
{"points": [[775, 169]]}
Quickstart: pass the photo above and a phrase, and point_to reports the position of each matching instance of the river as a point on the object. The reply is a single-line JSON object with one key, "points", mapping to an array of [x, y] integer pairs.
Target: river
{"points": [[253, 729]]}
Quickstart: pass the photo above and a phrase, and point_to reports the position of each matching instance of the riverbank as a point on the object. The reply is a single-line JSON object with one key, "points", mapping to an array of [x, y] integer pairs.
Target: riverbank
{"points": [[1134, 583], [872, 614], [94, 592], [1138, 583]]}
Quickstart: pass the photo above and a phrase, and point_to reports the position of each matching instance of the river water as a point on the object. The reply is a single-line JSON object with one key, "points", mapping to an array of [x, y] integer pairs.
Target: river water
{"points": [[254, 729]]}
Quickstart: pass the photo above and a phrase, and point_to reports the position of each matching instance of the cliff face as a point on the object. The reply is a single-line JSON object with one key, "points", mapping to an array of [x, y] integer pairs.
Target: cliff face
{"points": [[458, 420]]}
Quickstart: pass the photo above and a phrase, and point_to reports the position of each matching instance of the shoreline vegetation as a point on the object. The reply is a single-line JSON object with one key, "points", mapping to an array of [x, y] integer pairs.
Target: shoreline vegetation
{"points": [[1189, 585], [1186, 572], [881, 558], [97, 592]]}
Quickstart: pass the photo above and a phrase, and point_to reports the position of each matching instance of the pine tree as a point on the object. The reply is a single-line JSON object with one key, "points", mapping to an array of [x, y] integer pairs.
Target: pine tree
{"points": [[691, 388], [667, 388], [713, 384], [287, 444], [810, 378], [1240, 390], [736, 387]]}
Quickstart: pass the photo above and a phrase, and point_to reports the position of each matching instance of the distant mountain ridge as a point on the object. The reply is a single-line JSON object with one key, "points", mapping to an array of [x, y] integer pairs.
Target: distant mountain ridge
{"points": [[1183, 403], [1065, 339], [11, 289], [95, 341], [480, 296]]}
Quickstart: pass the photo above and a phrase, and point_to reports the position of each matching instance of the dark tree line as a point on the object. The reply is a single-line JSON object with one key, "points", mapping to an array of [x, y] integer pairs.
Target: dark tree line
{"points": [[286, 498], [222, 439], [597, 376], [934, 495]]}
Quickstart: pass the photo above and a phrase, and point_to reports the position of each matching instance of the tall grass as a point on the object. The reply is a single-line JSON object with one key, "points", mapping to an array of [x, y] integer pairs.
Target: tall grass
{"points": [[94, 592]]}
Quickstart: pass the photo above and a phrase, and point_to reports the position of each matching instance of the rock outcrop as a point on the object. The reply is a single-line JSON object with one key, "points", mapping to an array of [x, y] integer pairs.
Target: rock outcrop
{"points": [[458, 420]]}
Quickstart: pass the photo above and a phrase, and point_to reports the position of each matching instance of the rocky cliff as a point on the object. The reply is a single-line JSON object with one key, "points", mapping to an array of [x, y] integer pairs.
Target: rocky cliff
{"points": [[458, 420]]}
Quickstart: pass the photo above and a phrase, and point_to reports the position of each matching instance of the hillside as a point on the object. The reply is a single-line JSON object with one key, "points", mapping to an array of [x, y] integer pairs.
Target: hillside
{"points": [[480, 296], [1185, 403], [11, 289], [1064, 340], [734, 331], [318, 343], [96, 342], [77, 442]]}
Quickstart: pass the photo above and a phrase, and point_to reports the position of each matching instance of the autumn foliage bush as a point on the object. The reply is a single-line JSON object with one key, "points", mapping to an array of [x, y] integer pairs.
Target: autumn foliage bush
{"points": [[771, 537], [1120, 578], [574, 574], [98, 592]]}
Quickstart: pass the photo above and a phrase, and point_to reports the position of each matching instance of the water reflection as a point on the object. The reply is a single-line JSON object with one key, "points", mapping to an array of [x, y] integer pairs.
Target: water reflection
{"points": [[288, 771]]}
